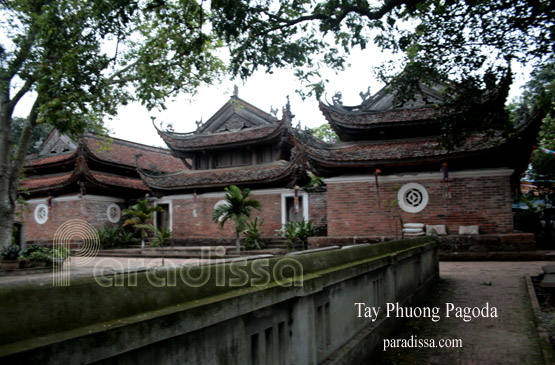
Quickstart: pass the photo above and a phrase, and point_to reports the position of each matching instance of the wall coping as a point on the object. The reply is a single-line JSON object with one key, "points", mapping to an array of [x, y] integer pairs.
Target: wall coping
{"points": [[421, 176]]}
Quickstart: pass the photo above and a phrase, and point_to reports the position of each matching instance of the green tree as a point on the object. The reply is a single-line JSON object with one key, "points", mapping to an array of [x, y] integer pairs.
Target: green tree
{"points": [[238, 207], [539, 94], [141, 214], [80, 60], [468, 46], [40, 133], [325, 133], [455, 37]]}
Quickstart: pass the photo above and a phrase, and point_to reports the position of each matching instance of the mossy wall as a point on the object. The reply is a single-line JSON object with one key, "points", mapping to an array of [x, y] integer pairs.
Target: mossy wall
{"points": [[138, 308]]}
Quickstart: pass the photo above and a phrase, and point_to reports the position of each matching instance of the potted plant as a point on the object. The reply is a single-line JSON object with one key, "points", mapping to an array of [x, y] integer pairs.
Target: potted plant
{"points": [[9, 257], [59, 254], [36, 256]]}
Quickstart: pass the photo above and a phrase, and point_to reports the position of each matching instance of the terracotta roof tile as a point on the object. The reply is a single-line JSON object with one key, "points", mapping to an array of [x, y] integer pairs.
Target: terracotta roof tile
{"points": [[190, 179], [379, 117], [376, 152], [45, 181], [115, 180], [46, 160], [193, 142], [121, 152]]}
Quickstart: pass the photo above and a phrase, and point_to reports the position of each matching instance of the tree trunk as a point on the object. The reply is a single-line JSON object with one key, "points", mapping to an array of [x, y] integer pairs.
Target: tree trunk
{"points": [[6, 199], [238, 241], [6, 222], [11, 164]]}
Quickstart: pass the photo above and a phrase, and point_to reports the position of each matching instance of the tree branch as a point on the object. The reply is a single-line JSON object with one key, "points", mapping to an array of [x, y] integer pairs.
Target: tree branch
{"points": [[23, 147], [337, 19], [24, 89], [110, 80]]}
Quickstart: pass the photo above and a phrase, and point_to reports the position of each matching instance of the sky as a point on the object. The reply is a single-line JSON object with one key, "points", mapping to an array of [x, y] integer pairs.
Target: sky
{"points": [[265, 91]]}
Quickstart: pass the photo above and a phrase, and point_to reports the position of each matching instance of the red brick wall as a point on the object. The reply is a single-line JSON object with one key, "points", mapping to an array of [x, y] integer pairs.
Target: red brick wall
{"points": [[318, 210], [185, 225], [482, 201], [91, 211]]}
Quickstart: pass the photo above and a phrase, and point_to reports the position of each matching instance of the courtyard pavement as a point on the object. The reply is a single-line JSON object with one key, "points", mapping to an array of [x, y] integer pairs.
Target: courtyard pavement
{"points": [[510, 338]]}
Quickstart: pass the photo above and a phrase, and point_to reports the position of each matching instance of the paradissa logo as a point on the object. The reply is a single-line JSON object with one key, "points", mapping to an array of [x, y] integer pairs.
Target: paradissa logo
{"points": [[240, 272]]}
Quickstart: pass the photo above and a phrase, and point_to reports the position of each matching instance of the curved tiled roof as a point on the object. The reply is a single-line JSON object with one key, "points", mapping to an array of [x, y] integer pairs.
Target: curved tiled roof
{"points": [[119, 152], [53, 159], [391, 150], [46, 182], [191, 142], [81, 171], [190, 179], [367, 118]]}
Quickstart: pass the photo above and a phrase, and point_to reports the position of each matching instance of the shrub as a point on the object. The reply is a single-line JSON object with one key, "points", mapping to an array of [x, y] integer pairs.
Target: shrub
{"points": [[297, 233], [11, 253], [253, 233]]}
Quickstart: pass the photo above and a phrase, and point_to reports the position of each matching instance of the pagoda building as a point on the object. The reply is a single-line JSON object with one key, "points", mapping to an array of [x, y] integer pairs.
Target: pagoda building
{"points": [[90, 179], [239, 145], [389, 173]]}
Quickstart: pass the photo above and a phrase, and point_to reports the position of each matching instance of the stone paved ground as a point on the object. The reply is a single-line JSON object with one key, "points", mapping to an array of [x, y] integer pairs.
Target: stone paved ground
{"points": [[509, 339]]}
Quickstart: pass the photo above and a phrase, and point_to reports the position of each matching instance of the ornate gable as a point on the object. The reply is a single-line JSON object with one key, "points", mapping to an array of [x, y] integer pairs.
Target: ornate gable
{"points": [[235, 116], [56, 143]]}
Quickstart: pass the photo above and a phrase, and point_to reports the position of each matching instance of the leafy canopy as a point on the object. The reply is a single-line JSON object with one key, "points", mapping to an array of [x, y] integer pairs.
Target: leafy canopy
{"points": [[325, 133], [468, 46], [85, 58], [237, 208]]}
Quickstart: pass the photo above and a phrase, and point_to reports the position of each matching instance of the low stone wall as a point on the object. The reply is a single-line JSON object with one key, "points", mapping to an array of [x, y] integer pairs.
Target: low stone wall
{"points": [[296, 309], [508, 246]]}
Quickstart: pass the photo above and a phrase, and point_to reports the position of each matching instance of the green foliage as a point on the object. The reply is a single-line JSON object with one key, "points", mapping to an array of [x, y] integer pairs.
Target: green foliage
{"points": [[113, 236], [539, 95], [325, 133], [161, 235], [40, 133], [237, 208], [61, 253], [528, 220], [316, 181], [37, 254], [253, 234], [78, 61], [543, 167], [140, 214], [297, 233], [108, 236], [455, 38], [10, 253]]}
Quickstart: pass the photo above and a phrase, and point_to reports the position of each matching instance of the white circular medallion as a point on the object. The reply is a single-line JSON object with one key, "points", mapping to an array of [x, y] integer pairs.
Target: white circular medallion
{"points": [[412, 197], [114, 213], [41, 213]]}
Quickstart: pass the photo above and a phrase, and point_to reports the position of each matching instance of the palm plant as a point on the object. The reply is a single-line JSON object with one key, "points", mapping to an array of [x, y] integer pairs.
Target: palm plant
{"points": [[141, 213], [161, 235], [253, 233], [238, 208]]}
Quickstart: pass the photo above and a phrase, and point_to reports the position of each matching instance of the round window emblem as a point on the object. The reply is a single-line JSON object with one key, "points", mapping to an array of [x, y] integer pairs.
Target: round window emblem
{"points": [[114, 213], [412, 197], [41, 213]]}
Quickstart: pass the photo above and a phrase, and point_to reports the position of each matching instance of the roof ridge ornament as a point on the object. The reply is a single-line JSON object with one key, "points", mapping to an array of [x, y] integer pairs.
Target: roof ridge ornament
{"points": [[235, 91], [199, 123], [337, 98], [365, 95], [286, 111]]}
